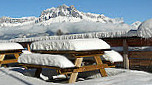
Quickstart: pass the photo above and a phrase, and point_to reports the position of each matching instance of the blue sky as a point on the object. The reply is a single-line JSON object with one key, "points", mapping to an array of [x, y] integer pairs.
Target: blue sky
{"points": [[130, 10]]}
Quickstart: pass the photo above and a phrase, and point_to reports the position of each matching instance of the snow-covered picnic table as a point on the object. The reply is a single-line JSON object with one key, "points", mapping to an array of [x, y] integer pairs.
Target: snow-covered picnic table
{"points": [[9, 49], [77, 48]]}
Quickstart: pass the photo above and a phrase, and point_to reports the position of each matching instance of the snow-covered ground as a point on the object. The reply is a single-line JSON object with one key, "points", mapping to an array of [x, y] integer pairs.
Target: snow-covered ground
{"points": [[20, 76]]}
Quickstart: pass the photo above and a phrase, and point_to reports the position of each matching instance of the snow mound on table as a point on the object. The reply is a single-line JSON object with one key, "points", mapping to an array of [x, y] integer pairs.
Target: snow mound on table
{"points": [[112, 56], [46, 59], [10, 46], [75, 44]]}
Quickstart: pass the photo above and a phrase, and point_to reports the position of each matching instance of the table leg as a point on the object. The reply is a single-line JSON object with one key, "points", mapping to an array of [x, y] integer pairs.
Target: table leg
{"points": [[38, 72], [99, 62], [16, 55], [73, 76], [2, 56]]}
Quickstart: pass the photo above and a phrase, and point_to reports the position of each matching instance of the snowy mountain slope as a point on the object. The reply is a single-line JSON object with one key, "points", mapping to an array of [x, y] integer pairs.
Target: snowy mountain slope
{"points": [[73, 15], [65, 18]]}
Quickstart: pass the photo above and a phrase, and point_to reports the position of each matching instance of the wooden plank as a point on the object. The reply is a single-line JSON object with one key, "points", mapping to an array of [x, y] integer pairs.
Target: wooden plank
{"points": [[99, 62], [88, 55], [132, 41], [73, 76], [11, 51], [91, 68], [77, 53], [84, 68], [9, 61], [140, 54], [39, 66]]}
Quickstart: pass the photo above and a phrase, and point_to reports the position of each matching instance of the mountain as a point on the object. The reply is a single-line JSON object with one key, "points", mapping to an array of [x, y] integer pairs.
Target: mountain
{"points": [[71, 14], [67, 19]]}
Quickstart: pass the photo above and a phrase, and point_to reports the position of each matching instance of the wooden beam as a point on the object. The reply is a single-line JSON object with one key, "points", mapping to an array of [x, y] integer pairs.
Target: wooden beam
{"points": [[84, 68], [39, 66], [125, 54], [74, 75], [28, 47], [80, 56], [99, 62], [9, 61]]}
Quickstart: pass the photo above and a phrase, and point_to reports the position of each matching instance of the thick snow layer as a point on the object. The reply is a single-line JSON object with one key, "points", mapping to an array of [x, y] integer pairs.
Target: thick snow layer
{"points": [[10, 46], [72, 36], [45, 59], [145, 29], [75, 44], [20, 76], [112, 56]]}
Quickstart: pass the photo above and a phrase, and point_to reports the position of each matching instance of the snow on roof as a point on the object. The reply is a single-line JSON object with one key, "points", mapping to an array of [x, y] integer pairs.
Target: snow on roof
{"points": [[10, 46], [74, 44], [73, 36], [145, 29]]}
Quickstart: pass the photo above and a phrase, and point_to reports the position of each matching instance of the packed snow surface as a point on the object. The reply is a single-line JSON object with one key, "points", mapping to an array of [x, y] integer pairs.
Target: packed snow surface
{"points": [[74, 44], [45, 59], [145, 29], [112, 56], [20, 76], [10, 46]]}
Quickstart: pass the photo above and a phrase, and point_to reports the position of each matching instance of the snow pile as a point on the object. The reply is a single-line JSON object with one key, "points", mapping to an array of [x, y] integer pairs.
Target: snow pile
{"points": [[45, 59], [112, 56], [10, 46], [145, 29], [75, 44]]}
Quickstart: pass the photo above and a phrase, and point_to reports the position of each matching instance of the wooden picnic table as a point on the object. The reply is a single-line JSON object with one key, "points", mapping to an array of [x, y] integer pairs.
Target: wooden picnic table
{"points": [[79, 56]]}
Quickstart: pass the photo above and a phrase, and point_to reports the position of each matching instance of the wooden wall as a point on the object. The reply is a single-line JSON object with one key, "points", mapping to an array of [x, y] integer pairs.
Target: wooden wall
{"points": [[140, 60]]}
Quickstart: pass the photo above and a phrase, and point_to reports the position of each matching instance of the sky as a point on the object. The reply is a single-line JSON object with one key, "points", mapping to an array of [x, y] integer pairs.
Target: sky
{"points": [[129, 10]]}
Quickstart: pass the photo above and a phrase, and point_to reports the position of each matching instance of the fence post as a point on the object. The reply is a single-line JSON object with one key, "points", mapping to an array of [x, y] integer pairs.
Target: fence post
{"points": [[125, 54]]}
